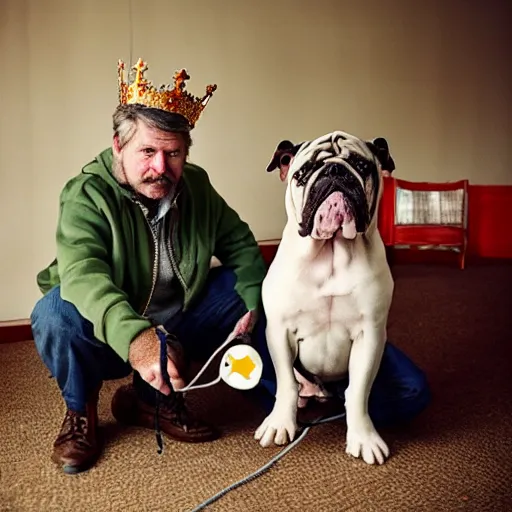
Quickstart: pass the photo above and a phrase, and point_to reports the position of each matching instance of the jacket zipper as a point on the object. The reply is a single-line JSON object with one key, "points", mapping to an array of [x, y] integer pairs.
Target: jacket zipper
{"points": [[155, 260]]}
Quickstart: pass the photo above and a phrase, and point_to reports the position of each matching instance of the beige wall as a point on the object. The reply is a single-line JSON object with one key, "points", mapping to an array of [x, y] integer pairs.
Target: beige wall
{"points": [[433, 77]]}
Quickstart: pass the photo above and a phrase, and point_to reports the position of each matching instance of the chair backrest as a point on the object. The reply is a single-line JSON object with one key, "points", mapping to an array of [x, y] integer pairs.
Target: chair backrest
{"points": [[430, 204]]}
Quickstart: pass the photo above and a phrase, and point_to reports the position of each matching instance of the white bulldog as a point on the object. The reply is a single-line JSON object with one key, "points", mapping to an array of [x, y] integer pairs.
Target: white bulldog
{"points": [[328, 291]]}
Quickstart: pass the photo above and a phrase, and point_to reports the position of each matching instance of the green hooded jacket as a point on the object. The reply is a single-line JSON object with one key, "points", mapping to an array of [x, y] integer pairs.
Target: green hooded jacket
{"points": [[105, 250]]}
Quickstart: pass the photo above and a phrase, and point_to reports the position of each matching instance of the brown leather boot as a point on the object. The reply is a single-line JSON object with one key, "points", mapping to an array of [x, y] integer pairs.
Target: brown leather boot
{"points": [[174, 418], [77, 448]]}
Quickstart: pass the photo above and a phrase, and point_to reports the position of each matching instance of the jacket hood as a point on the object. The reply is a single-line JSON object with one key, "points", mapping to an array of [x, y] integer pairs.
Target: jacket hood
{"points": [[102, 166]]}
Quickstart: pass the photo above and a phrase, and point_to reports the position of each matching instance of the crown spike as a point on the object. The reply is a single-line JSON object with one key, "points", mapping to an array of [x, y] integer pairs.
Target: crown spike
{"points": [[174, 99]]}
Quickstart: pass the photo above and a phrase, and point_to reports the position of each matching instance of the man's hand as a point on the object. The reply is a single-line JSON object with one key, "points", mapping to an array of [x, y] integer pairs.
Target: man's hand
{"points": [[245, 325], [144, 357]]}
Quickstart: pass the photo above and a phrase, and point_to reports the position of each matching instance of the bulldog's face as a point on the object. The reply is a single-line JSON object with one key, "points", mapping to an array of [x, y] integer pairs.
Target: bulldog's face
{"points": [[334, 183]]}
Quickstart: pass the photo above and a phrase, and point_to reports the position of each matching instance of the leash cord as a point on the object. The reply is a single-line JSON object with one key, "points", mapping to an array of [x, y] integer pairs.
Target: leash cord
{"points": [[268, 465], [163, 364]]}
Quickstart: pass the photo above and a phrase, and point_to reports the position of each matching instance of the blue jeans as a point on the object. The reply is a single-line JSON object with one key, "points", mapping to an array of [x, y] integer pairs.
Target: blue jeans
{"points": [[80, 363]]}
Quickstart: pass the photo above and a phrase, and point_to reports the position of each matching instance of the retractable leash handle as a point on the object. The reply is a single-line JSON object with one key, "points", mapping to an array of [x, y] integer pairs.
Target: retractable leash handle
{"points": [[162, 336]]}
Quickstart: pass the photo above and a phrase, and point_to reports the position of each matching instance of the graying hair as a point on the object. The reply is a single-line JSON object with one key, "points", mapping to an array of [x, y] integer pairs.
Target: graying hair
{"points": [[125, 120]]}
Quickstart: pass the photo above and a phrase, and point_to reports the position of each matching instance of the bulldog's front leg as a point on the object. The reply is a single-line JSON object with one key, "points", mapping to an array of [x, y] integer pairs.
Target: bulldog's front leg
{"points": [[280, 425], [365, 357]]}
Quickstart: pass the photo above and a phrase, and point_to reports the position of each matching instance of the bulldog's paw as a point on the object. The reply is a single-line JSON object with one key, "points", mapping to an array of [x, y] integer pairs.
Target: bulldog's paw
{"points": [[364, 441], [276, 428]]}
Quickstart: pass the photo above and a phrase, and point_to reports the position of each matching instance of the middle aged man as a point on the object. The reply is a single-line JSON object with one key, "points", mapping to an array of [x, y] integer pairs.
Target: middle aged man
{"points": [[136, 233]]}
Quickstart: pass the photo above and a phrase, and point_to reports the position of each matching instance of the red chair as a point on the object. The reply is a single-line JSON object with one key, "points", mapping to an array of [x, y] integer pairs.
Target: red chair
{"points": [[426, 215]]}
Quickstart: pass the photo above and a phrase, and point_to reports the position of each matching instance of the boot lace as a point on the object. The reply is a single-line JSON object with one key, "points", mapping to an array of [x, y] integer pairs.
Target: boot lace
{"points": [[75, 427]]}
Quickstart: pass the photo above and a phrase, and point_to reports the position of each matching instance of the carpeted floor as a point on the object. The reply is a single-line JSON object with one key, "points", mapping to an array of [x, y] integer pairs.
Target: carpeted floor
{"points": [[456, 456]]}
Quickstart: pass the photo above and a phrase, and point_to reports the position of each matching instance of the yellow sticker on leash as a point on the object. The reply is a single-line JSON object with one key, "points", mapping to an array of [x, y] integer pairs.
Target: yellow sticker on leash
{"points": [[241, 367]]}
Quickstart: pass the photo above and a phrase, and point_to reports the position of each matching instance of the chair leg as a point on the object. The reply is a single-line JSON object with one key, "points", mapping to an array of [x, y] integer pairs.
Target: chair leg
{"points": [[463, 256]]}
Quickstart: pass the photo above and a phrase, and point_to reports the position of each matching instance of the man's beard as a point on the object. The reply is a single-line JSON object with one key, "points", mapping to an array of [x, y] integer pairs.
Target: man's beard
{"points": [[120, 174]]}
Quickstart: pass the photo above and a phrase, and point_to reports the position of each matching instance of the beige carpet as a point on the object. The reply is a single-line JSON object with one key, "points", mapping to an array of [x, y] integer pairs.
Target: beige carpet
{"points": [[455, 456]]}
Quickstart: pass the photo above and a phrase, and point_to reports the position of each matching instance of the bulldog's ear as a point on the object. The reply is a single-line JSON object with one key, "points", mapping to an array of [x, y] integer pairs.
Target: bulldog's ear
{"points": [[282, 156], [380, 149]]}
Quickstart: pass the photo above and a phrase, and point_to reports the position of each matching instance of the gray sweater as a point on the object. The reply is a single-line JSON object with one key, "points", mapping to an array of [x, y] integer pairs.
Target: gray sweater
{"points": [[167, 298]]}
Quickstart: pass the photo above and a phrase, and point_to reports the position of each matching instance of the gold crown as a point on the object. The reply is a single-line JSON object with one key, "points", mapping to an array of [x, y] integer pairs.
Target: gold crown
{"points": [[174, 99]]}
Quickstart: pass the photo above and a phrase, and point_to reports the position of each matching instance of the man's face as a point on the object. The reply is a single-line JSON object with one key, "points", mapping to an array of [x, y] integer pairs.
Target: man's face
{"points": [[152, 161]]}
